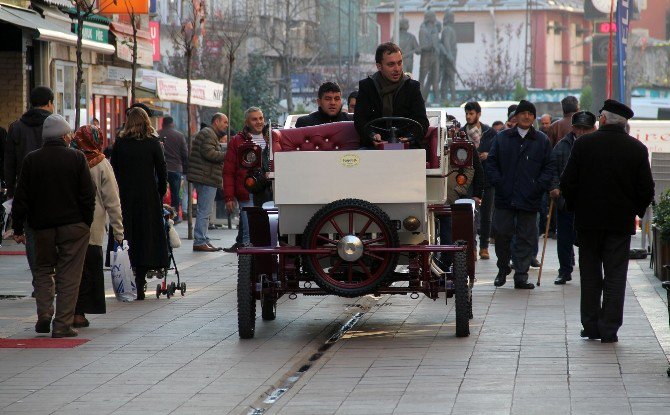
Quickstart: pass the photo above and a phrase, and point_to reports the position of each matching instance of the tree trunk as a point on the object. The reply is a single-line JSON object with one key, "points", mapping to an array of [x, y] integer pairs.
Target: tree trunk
{"points": [[229, 94], [133, 20], [189, 56], [80, 68], [287, 57], [288, 86]]}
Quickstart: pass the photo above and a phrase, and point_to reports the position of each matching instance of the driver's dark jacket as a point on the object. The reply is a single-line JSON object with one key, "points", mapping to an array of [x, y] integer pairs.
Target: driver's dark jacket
{"points": [[407, 103], [521, 169], [319, 117]]}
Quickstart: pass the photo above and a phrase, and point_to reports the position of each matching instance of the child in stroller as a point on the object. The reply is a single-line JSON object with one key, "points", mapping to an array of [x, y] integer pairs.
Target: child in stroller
{"points": [[173, 241]]}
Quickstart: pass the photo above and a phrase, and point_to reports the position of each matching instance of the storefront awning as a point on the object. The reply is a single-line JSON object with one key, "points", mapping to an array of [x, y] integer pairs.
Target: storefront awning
{"points": [[204, 93], [124, 39], [47, 30]]}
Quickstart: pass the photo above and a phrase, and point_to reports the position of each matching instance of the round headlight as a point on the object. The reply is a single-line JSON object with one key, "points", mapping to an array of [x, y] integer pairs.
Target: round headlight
{"points": [[411, 223], [462, 155], [250, 157]]}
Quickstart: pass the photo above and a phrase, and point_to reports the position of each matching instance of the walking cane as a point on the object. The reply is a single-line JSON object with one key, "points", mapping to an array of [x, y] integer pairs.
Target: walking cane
{"points": [[546, 235]]}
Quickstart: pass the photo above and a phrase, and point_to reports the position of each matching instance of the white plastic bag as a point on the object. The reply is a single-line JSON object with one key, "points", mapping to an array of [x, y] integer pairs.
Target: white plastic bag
{"points": [[123, 279]]}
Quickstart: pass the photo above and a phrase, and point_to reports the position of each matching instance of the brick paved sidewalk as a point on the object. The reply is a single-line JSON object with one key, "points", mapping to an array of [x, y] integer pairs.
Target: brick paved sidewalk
{"points": [[183, 355]]}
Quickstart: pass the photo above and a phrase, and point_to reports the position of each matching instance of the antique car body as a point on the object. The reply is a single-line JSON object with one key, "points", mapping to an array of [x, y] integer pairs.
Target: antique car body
{"points": [[350, 222]]}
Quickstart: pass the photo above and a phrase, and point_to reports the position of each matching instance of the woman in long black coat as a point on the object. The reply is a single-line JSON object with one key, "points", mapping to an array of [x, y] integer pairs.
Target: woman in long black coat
{"points": [[139, 166]]}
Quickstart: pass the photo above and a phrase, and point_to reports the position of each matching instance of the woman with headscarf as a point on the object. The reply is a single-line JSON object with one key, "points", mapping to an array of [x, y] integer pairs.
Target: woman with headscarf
{"points": [[91, 300], [139, 165]]}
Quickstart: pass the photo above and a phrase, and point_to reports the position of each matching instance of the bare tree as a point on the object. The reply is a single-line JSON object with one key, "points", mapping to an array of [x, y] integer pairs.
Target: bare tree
{"points": [[84, 9], [235, 34], [496, 72], [186, 40], [279, 30]]}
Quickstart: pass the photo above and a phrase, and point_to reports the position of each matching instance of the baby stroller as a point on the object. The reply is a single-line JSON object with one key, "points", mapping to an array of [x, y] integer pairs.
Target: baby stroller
{"points": [[163, 288]]}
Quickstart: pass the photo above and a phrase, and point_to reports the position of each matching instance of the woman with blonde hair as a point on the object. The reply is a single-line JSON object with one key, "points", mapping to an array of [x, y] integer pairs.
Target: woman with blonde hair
{"points": [[88, 139], [139, 165]]}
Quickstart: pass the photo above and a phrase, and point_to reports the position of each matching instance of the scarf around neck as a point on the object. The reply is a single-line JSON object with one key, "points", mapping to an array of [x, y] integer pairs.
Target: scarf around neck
{"points": [[88, 139], [387, 91]]}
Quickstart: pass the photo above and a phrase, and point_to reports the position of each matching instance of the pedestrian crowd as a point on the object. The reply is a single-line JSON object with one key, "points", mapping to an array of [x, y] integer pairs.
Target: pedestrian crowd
{"points": [[569, 179]]}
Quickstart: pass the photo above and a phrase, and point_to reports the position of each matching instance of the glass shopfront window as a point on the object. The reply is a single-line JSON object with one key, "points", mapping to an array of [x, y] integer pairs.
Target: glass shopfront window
{"points": [[66, 77]]}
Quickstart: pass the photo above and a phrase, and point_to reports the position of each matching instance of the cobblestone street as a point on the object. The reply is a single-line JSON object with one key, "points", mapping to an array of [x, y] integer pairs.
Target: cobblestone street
{"points": [[183, 355]]}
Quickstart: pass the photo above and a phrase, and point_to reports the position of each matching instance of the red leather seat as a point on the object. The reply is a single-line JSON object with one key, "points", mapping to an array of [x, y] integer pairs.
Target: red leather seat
{"points": [[339, 136], [334, 136]]}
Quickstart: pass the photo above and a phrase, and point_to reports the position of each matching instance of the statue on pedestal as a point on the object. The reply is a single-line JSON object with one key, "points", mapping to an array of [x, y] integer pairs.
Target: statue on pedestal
{"points": [[428, 75], [449, 51], [408, 44]]}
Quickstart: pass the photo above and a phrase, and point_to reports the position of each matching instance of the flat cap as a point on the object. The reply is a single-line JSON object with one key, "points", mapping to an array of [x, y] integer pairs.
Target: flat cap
{"points": [[525, 106], [615, 107]]}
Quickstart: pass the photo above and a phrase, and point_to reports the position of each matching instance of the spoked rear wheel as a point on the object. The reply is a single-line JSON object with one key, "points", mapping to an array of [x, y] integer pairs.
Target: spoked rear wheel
{"points": [[349, 229], [246, 303], [463, 300]]}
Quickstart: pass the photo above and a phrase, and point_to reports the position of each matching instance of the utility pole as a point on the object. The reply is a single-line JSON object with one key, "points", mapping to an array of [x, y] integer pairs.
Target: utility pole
{"points": [[396, 22], [528, 46]]}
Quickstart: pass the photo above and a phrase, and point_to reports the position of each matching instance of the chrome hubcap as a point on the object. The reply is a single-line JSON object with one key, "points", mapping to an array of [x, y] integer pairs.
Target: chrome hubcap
{"points": [[350, 248]]}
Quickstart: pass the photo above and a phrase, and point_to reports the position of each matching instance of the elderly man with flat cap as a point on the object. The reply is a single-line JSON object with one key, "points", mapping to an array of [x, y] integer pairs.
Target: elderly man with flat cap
{"points": [[607, 182], [583, 122], [519, 166]]}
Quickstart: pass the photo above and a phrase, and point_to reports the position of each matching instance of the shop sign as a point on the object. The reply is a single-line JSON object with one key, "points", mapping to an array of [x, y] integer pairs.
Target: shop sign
{"points": [[155, 32]]}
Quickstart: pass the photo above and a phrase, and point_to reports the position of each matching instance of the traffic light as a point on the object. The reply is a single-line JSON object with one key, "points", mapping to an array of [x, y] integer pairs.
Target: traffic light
{"points": [[601, 41]]}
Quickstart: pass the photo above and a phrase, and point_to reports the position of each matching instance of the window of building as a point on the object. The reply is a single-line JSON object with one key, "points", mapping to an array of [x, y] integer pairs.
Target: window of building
{"points": [[465, 32]]}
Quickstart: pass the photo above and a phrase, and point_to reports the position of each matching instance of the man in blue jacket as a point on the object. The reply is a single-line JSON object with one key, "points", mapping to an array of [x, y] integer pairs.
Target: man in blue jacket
{"points": [[519, 166]]}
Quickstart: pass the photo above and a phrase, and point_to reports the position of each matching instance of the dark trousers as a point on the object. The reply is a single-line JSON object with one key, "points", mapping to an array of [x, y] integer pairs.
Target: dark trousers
{"points": [[446, 258], [60, 254], [603, 266], [565, 238], [486, 216], [522, 226], [92, 287], [174, 180]]}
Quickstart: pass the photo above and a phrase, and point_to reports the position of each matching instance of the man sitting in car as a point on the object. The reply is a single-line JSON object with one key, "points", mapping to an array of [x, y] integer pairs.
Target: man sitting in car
{"points": [[388, 93], [330, 107]]}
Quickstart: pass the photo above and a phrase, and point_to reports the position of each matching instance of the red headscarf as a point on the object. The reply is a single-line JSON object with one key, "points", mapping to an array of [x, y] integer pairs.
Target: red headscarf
{"points": [[88, 139]]}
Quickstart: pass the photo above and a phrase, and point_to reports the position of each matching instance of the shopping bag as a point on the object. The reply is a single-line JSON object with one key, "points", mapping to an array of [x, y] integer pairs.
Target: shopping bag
{"points": [[123, 279], [175, 241]]}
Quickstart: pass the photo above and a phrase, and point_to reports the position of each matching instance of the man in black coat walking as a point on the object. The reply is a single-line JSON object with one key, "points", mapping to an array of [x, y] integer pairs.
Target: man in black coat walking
{"points": [[388, 93], [330, 107], [607, 182]]}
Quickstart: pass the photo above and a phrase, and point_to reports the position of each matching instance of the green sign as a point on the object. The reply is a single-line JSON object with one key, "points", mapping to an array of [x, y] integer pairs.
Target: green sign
{"points": [[95, 34]]}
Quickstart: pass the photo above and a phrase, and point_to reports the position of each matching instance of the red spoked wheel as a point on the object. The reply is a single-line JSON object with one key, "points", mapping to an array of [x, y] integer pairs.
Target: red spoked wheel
{"points": [[348, 228]]}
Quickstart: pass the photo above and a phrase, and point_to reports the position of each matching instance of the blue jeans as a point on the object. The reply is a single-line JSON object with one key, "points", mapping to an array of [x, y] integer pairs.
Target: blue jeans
{"points": [[565, 238], [206, 196], [243, 227], [174, 180]]}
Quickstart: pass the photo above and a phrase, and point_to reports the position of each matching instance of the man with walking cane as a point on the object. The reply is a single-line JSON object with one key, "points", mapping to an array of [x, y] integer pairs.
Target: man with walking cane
{"points": [[607, 182], [583, 122]]}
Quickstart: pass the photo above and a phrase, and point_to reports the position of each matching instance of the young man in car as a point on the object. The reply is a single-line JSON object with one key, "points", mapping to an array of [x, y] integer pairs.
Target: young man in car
{"points": [[330, 107], [388, 93]]}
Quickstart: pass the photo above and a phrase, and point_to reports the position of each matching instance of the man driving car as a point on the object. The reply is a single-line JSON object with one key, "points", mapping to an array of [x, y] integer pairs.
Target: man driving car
{"points": [[389, 92]]}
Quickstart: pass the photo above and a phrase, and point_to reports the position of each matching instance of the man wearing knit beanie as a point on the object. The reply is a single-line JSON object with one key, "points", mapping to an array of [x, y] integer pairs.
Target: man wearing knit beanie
{"points": [[519, 165], [56, 195]]}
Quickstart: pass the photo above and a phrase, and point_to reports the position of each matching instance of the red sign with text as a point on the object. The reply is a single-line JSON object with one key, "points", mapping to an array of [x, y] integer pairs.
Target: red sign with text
{"points": [[155, 32]]}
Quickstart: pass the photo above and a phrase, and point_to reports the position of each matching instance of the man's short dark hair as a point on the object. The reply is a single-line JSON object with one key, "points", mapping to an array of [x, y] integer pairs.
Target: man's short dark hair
{"points": [[497, 123], [385, 48], [353, 95], [328, 87], [168, 121], [570, 104], [473, 106], [41, 96]]}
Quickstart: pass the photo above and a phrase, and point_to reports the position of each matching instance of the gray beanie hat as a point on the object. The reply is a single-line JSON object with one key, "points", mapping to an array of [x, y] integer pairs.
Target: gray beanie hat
{"points": [[55, 126]]}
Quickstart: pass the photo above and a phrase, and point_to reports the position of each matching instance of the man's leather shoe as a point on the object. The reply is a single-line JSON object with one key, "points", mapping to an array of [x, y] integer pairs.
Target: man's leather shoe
{"points": [[80, 321], [68, 332], [591, 336], [500, 280], [484, 253], [562, 279], [232, 248], [204, 248], [535, 263], [609, 339], [524, 285], [43, 325], [212, 246]]}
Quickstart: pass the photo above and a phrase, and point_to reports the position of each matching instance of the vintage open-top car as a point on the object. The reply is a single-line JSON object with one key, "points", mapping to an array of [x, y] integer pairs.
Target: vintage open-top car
{"points": [[351, 222]]}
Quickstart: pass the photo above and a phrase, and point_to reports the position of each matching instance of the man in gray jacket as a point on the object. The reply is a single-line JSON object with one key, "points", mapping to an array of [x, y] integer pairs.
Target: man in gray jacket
{"points": [[205, 167], [176, 159]]}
